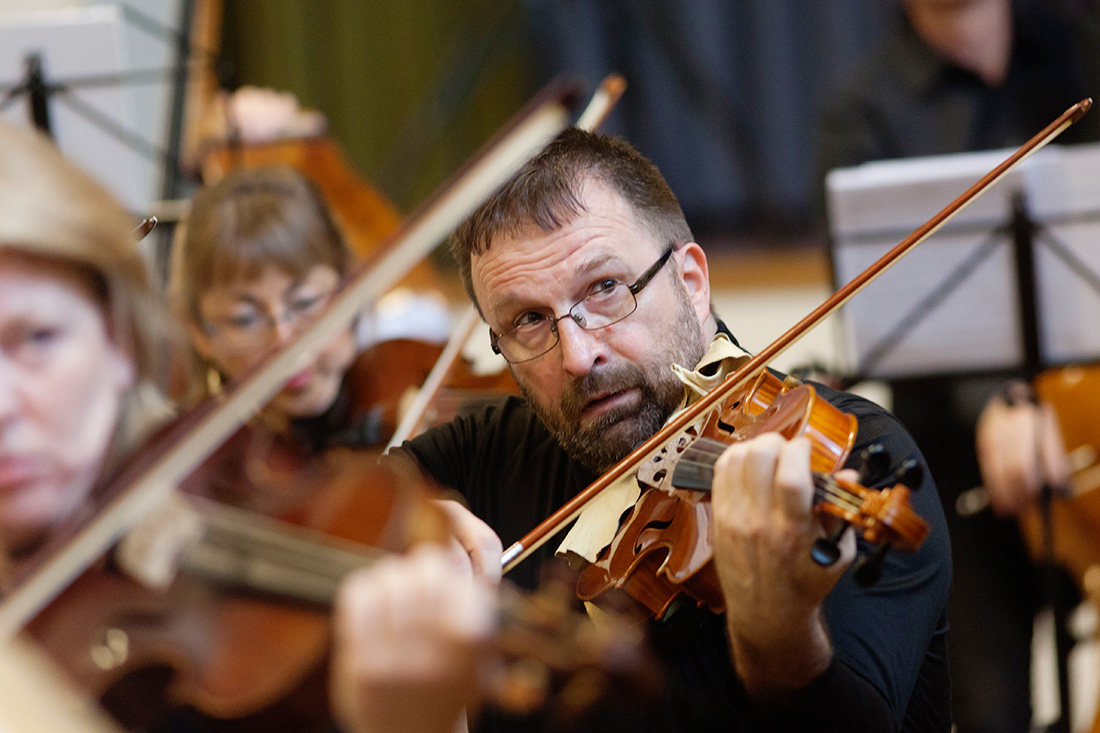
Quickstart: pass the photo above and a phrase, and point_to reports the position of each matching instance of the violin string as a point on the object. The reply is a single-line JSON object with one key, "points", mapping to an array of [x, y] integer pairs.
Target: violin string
{"points": [[694, 472], [705, 451]]}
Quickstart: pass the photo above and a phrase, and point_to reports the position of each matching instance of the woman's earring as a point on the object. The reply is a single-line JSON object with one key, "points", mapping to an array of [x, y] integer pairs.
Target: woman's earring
{"points": [[213, 381]]}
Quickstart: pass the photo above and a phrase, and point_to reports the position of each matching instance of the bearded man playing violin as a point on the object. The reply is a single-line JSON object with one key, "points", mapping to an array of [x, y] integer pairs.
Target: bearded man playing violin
{"points": [[593, 288]]}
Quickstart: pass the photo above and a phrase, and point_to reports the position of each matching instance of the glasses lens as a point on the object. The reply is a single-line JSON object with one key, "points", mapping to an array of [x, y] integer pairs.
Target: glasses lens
{"points": [[605, 307], [526, 342]]}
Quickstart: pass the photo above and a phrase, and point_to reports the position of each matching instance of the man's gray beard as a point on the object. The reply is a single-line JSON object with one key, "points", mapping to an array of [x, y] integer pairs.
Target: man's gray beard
{"points": [[606, 440]]}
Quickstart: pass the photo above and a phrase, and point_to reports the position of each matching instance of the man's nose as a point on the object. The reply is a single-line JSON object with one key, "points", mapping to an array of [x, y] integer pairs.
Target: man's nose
{"points": [[580, 349]]}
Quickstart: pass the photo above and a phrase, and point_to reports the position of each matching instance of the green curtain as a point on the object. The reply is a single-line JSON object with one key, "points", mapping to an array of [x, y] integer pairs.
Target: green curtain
{"points": [[411, 88]]}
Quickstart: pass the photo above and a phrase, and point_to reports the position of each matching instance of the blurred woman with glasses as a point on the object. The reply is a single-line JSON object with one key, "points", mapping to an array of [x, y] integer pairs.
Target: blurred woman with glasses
{"points": [[261, 257]]}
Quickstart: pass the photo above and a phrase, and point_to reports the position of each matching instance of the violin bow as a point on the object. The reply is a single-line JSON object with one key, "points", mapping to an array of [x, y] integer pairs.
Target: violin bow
{"points": [[599, 107], [557, 521], [144, 484]]}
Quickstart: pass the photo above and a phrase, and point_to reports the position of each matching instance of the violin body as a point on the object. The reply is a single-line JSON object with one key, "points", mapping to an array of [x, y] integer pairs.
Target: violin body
{"points": [[664, 546], [233, 652], [228, 655]]}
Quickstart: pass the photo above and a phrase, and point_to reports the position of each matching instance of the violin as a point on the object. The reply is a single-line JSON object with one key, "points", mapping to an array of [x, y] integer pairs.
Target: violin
{"points": [[727, 397], [246, 618], [387, 377], [657, 568], [226, 610], [265, 465], [1073, 392]]}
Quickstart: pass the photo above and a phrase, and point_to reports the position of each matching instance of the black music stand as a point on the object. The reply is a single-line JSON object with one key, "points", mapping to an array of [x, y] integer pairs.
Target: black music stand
{"points": [[84, 45], [1024, 259], [1011, 285]]}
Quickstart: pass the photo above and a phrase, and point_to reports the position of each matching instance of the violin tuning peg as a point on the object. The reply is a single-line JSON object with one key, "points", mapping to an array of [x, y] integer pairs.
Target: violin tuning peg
{"points": [[910, 473], [826, 550], [869, 567], [874, 461]]}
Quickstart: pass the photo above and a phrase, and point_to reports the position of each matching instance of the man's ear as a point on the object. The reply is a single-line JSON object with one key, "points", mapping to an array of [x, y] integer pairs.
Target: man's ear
{"points": [[696, 278]]}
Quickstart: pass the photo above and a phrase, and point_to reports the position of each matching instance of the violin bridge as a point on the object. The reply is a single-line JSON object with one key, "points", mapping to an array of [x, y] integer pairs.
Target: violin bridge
{"points": [[657, 472]]}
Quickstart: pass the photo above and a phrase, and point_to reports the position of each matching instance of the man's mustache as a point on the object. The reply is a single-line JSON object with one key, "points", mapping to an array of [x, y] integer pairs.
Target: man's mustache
{"points": [[582, 390]]}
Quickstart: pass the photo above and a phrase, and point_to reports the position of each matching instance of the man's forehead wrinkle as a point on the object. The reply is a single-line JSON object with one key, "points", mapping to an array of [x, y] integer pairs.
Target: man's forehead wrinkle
{"points": [[560, 261], [527, 298], [534, 214], [593, 264], [569, 275], [521, 264]]}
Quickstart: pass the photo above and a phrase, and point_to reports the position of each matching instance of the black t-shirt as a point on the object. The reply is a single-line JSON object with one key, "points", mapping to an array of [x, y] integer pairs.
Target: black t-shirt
{"points": [[890, 660]]}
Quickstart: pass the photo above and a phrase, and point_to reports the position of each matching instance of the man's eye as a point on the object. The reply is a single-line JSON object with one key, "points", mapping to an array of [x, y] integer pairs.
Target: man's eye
{"points": [[602, 287], [529, 319]]}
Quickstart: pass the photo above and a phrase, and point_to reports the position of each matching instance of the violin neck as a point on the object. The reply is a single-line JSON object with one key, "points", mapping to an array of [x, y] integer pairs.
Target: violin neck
{"points": [[695, 472], [261, 555], [248, 552]]}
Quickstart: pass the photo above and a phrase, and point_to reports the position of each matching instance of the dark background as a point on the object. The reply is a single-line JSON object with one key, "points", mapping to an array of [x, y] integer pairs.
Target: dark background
{"points": [[722, 94]]}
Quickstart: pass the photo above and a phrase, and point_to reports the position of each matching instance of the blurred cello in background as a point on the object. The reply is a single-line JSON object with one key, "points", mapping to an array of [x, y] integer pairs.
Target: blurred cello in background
{"points": [[1073, 392], [265, 127], [1037, 448]]}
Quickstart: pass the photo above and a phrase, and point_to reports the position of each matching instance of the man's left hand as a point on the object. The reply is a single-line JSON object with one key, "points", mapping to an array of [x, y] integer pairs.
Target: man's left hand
{"points": [[764, 529]]}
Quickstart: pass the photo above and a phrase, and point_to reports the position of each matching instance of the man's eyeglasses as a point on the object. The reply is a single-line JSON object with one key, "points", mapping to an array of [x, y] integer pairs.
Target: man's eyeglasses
{"points": [[608, 301], [251, 328]]}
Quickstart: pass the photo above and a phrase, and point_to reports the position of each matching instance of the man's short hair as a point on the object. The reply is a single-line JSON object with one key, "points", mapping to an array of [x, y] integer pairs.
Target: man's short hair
{"points": [[546, 193]]}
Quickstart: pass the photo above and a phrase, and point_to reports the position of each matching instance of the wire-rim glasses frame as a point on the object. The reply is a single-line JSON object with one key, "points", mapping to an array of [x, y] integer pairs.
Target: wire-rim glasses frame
{"points": [[587, 317]]}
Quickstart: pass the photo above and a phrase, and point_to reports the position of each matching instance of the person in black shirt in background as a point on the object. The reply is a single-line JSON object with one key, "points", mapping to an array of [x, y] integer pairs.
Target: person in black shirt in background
{"points": [[590, 279], [958, 76]]}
